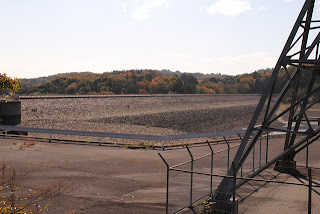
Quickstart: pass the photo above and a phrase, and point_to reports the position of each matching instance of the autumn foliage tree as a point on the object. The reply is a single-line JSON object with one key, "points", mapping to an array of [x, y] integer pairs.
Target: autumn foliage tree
{"points": [[151, 82], [8, 83]]}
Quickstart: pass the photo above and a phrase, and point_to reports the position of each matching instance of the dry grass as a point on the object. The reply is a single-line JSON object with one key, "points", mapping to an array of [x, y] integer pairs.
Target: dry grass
{"points": [[27, 143], [25, 199]]}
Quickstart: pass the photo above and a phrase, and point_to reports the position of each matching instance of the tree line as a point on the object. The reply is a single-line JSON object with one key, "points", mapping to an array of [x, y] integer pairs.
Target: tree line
{"points": [[153, 82]]}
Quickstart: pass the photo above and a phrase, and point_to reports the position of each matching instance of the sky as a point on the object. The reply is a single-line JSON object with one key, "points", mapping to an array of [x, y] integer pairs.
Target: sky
{"points": [[46, 37]]}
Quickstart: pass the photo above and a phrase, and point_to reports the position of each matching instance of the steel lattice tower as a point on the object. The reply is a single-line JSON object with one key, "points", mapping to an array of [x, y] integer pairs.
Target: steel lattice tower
{"points": [[300, 52]]}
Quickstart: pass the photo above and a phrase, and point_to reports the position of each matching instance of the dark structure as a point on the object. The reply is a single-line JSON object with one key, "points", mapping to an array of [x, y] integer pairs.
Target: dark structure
{"points": [[10, 113], [299, 63]]}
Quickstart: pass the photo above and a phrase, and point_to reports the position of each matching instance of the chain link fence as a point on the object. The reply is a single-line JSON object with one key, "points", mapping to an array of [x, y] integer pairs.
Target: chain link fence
{"points": [[192, 187]]}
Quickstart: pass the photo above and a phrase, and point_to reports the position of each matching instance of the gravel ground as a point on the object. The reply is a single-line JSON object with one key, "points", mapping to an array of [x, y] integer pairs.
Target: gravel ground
{"points": [[163, 115], [312, 113], [177, 114], [191, 121]]}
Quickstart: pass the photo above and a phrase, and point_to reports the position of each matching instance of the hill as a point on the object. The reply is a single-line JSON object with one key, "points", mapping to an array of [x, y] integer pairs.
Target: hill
{"points": [[148, 81]]}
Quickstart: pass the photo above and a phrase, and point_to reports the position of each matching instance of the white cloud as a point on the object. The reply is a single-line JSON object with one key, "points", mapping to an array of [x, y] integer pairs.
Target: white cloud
{"points": [[262, 9], [180, 55], [229, 7], [289, 0], [124, 7], [142, 11], [257, 59]]}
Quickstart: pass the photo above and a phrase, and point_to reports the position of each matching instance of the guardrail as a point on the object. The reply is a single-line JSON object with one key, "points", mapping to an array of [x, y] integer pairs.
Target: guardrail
{"points": [[62, 96], [100, 135], [79, 133], [153, 138], [202, 134]]}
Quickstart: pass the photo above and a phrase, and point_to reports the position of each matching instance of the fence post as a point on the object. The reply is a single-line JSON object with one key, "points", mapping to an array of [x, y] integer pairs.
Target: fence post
{"points": [[162, 145], [267, 147], [228, 152], [153, 144], [182, 143], [307, 157], [234, 188], [99, 141], [50, 139], [191, 176], [260, 151], [253, 156], [167, 196], [5, 133], [211, 171], [310, 191]]}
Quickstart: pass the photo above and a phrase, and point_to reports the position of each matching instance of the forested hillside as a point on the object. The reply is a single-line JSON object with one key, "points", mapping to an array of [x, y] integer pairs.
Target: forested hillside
{"points": [[152, 82]]}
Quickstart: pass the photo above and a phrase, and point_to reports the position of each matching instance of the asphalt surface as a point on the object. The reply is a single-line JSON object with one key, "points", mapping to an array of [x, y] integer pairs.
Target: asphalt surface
{"points": [[104, 179], [94, 179], [97, 179]]}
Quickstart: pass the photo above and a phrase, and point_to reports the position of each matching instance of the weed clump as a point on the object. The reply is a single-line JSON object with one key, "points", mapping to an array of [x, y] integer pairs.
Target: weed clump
{"points": [[17, 199]]}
